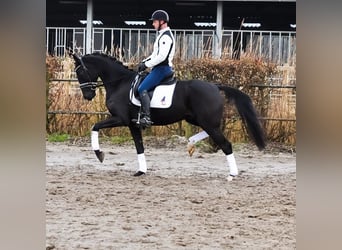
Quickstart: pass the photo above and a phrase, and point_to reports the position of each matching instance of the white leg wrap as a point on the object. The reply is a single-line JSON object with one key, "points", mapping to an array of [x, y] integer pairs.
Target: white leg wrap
{"points": [[95, 140], [233, 170], [142, 163], [197, 137]]}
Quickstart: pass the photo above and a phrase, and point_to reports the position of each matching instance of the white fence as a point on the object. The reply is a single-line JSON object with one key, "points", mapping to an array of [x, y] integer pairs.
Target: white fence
{"points": [[127, 44]]}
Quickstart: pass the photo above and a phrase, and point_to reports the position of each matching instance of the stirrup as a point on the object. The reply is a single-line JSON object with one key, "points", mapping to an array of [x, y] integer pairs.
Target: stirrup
{"points": [[142, 122], [145, 122]]}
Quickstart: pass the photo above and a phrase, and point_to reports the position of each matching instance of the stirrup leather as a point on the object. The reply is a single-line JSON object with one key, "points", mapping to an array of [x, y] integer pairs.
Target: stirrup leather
{"points": [[143, 121]]}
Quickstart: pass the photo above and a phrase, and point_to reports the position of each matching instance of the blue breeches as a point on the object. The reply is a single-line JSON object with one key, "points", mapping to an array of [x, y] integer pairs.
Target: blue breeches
{"points": [[154, 77]]}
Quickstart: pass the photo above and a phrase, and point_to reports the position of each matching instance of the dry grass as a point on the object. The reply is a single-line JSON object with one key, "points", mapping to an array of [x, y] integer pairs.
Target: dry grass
{"points": [[270, 102]]}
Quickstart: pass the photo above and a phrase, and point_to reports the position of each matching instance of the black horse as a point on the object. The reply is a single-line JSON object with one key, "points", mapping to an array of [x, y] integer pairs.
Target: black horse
{"points": [[199, 103]]}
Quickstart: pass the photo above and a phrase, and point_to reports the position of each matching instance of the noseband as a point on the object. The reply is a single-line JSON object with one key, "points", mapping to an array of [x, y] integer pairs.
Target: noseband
{"points": [[90, 84]]}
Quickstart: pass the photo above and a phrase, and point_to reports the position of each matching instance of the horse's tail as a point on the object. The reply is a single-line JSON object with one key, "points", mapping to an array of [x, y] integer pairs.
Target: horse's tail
{"points": [[247, 112]]}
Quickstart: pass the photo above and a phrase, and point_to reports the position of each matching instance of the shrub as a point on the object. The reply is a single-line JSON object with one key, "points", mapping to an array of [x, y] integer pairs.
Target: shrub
{"points": [[245, 74]]}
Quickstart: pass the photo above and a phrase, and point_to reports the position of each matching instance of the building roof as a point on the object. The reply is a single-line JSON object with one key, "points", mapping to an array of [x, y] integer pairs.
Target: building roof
{"points": [[273, 15]]}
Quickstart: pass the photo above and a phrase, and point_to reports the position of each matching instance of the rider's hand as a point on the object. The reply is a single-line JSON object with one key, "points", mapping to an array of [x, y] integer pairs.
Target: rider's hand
{"points": [[141, 66]]}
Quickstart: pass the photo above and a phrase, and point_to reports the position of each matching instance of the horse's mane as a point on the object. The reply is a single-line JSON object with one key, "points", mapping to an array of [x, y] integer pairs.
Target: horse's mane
{"points": [[109, 57]]}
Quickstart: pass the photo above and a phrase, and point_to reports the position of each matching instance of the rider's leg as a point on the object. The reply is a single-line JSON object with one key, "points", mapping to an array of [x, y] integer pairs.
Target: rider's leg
{"points": [[145, 103], [152, 79]]}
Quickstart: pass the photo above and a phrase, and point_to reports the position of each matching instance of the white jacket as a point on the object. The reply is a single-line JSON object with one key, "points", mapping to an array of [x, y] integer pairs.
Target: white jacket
{"points": [[163, 49]]}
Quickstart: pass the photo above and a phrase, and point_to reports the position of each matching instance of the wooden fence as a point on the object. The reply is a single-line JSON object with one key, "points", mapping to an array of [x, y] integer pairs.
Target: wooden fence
{"points": [[78, 112]]}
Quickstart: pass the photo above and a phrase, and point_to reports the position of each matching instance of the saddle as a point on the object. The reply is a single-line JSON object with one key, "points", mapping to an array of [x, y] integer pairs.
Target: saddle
{"points": [[161, 96], [168, 80]]}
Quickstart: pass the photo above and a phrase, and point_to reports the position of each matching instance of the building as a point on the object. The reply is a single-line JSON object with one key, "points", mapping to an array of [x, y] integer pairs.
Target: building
{"points": [[203, 27]]}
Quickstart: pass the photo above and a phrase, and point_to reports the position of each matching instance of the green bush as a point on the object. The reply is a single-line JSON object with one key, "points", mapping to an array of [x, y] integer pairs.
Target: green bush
{"points": [[55, 137]]}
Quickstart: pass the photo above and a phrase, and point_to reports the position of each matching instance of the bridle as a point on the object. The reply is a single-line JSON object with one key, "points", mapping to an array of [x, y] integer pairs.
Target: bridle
{"points": [[92, 85]]}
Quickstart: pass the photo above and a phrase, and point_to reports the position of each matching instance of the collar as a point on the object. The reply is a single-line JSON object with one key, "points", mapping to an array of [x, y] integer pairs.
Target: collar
{"points": [[163, 30]]}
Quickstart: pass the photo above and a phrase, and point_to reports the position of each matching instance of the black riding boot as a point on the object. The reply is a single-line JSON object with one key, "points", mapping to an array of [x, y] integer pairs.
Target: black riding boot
{"points": [[145, 121]]}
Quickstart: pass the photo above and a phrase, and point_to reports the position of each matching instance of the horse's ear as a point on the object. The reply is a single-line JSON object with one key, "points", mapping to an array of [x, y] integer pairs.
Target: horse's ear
{"points": [[76, 58], [69, 51]]}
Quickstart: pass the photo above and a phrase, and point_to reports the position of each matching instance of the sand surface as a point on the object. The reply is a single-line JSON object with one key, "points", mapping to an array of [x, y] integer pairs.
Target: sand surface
{"points": [[182, 202]]}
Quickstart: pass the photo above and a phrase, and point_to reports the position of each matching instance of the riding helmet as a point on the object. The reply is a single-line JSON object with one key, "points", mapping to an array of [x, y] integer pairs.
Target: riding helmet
{"points": [[160, 15]]}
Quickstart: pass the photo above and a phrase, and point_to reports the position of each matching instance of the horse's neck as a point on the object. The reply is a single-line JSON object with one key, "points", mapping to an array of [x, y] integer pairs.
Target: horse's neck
{"points": [[119, 86], [115, 77], [109, 69], [113, 73]]}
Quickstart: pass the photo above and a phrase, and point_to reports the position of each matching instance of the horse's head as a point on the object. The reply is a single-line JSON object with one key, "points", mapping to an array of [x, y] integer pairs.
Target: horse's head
{"points": [[97, 65], [87, 77]]}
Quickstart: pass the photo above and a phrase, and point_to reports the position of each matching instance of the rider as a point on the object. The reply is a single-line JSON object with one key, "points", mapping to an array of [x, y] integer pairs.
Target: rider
{"points": [[160, 61]]}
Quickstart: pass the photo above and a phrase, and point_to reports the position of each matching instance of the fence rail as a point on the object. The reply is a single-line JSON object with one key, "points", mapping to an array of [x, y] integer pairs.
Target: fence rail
{"points": [[76, 112], [127, 44], [68, 112], [251, 85]]}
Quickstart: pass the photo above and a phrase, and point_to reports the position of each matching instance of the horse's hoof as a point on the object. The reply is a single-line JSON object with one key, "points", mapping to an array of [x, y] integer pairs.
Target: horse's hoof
{"points": [[231, 177], [191, 149], [100, 155], [139, 173]]}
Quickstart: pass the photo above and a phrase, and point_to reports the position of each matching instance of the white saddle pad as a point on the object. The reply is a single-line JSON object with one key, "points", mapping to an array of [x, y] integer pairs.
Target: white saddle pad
{"points": [[162, 96]]}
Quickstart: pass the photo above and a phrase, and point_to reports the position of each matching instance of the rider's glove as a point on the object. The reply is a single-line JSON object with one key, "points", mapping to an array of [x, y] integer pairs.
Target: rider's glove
{"points": [[142, 67]]}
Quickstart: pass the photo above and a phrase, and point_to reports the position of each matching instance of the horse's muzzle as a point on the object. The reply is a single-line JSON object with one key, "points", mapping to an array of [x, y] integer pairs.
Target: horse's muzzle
{"points": [[89, 96]]}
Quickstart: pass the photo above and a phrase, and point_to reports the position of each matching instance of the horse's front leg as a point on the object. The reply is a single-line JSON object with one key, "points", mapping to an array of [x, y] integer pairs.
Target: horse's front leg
{"points": [[108, 123], [137, 137]]}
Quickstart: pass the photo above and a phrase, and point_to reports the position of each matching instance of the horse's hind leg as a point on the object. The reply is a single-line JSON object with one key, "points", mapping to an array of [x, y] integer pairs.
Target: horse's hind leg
{"points": [[218, 137]]}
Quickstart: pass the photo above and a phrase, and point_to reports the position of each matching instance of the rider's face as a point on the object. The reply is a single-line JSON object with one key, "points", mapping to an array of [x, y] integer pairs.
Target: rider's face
{"points": [[155, 24], [158, 24]]}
